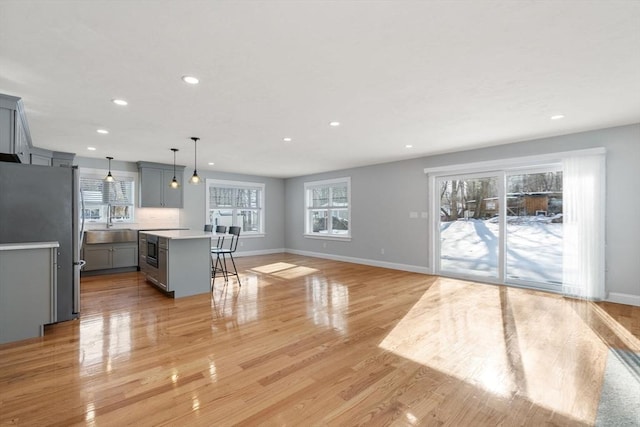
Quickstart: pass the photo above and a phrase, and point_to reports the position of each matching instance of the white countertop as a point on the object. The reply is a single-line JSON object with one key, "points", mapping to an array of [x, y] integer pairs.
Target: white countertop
{"points": [[182, 234], [30, 245], [89, 226]]}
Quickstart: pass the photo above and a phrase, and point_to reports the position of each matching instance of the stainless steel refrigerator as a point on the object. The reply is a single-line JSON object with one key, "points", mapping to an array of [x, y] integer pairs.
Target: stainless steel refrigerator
{"points": [[41, 204]]}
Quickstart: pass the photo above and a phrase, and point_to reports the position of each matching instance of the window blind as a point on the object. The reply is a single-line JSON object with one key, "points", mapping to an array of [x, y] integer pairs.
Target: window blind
{"points": [[96, 191]]}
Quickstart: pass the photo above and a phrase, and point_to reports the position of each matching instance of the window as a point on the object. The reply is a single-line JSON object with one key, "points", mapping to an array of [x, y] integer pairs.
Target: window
{"points": [[327, 208], [236, 203], [99, 197]]}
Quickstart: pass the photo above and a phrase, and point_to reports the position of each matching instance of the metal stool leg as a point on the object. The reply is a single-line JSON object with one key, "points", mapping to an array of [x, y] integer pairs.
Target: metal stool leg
{"points": [[235, 269]]}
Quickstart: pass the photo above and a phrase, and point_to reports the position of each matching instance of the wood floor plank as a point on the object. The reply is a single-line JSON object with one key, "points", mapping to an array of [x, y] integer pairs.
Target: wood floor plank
{"points": [[309, 341]]}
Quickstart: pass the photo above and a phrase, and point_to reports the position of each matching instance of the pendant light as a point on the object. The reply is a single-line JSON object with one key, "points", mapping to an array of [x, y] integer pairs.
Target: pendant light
{"points": [[195, 179], [174, 181], [109, 177]]}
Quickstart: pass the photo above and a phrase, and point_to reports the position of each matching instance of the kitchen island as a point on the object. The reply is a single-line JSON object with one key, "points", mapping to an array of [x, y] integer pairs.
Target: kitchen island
{"points": [[177, 261]]}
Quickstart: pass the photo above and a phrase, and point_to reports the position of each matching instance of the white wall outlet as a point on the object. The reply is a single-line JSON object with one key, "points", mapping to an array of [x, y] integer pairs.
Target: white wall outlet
{"points": [[241, 244], [382, 251], [324, 244], [413, 214]]}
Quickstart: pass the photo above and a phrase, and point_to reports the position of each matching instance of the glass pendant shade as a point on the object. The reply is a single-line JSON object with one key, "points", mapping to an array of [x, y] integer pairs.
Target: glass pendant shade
{"points": [[174, 182], [195, 179], [109, 177]]}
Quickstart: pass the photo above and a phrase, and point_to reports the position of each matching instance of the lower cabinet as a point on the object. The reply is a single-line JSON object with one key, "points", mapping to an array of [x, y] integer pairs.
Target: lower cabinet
{"points": [[163, 263], [111, 255], [142, 252], [28, 289], [158, 275]]}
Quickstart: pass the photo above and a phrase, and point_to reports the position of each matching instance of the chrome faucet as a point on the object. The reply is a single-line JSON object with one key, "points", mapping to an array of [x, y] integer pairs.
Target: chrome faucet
{"points": [[109, 220]]}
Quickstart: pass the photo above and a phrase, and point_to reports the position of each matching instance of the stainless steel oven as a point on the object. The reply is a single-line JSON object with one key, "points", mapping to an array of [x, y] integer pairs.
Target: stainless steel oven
{"points": [[152, 250]]}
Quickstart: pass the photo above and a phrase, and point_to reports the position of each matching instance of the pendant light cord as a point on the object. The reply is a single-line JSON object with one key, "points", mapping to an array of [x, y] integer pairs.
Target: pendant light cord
{"points": [[174, 182]]}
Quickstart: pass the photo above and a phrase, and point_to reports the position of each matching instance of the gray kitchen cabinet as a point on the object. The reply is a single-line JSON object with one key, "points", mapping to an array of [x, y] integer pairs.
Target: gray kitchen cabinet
{"points": [[142, 252], [28, 289], [110, 255], [59, 158], [97, 257], [37, 159], [124, 255], [163, 263], [154, 186], [15, 138], [40, 156]]}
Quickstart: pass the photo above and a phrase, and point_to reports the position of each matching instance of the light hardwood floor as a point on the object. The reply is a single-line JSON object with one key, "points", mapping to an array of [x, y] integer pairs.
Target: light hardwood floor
{"points": [[307, 341]]}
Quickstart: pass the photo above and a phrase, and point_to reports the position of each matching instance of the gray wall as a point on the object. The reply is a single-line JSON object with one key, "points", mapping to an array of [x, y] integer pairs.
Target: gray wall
{"points": [[403, 188], [376, 225]]}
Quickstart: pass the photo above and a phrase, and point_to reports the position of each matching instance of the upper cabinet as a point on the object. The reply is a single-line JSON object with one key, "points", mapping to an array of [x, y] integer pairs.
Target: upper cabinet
{"points": [[15, 138], [154, 186]]}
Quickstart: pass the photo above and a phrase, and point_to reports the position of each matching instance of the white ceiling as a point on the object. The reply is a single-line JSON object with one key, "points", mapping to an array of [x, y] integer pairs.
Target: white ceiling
{"points": [[440, 75]]}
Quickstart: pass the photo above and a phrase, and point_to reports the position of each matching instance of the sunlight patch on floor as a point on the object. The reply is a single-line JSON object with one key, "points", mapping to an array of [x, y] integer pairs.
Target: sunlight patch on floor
{"points": [[285, 270], [272, 268], [490, 337]]}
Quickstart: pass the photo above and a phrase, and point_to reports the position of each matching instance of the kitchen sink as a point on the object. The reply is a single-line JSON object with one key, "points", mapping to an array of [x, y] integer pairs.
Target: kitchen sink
{"points": [[118, 235]]}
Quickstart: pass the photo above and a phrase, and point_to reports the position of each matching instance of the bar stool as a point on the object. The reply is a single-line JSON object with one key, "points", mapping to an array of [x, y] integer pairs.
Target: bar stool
{"points": [[220, 263]]}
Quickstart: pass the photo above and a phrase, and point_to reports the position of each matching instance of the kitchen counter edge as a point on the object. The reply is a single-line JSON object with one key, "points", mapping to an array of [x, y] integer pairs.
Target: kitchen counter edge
{"points": [[30, 245], [180, 234]]}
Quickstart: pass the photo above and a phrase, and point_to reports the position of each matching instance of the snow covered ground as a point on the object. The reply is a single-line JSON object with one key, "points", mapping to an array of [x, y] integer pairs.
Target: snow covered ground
{"points": [[534, 248]]}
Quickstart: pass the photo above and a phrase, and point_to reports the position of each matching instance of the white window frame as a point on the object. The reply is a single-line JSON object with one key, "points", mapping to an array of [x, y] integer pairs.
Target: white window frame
{"points": [[239, 185], [308, 230], [100, 174]]}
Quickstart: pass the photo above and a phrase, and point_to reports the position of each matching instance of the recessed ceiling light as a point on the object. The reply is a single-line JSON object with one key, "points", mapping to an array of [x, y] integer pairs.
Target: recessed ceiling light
{"points": [[103, 131], [91, 148], [334, 124], [557, 117], [119, 101], [408, 146], [211, 163], [191, 80], [287, 139]]}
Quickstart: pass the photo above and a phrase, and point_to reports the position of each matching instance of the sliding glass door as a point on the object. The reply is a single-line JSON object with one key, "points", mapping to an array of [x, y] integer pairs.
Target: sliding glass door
{"points": [[534, 228], [503, 226], [469, 227]]}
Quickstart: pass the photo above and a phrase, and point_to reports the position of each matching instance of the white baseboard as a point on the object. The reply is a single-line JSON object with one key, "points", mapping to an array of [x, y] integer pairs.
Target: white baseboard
{"points": [[260, 252], [374, 263], [627, 299]]}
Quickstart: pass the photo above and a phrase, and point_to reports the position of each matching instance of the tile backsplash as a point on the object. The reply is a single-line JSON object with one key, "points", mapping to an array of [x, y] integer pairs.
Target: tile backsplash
{"points": [[146, 218]]}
